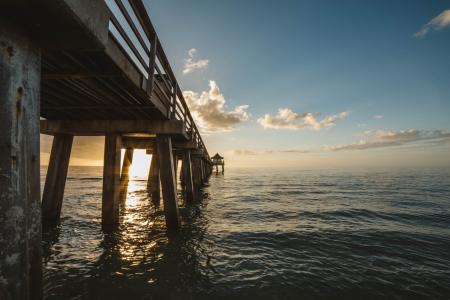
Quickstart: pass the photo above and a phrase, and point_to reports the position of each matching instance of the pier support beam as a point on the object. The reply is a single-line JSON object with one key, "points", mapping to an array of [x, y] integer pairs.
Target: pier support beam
{"points": [[111, 182], [20, 209], [153, 185], [187, 176], [55, 181], [165, 158], [125, 176]]}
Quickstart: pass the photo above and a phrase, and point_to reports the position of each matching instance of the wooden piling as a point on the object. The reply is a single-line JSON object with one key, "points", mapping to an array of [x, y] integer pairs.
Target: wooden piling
{"points": [[125, 175], [202, 171], [182, 172], [153, 184], [55, 180], [209, 169], [196, 173], [165, 159], [175, 167], [187, 176], [111, 182], [20, 209]]}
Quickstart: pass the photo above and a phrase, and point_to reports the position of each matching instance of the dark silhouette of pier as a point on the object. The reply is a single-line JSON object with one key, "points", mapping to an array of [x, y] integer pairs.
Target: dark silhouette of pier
{"points": [[84, 68]]}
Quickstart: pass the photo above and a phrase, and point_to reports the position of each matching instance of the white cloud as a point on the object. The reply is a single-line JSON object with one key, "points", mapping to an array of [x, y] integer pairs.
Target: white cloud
{"points": [[378, 117], [191, 65], [209, 111], [439, 22], [381, 139], [287, 119]]}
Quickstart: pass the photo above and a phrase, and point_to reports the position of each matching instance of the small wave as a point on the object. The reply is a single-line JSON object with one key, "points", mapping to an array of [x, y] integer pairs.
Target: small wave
{"points": [[90, 178]]}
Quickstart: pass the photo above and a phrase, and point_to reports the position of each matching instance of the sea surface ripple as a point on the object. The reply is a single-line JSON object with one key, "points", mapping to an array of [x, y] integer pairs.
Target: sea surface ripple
{"points": [[259, 234]]}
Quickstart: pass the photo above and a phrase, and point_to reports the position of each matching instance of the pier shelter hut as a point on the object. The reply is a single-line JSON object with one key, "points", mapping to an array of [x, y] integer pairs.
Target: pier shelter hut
{"points": [[217, 161]]}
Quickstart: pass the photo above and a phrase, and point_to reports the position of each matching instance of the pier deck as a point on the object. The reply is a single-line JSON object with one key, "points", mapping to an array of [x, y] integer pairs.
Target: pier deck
{"points": [[69, 68]]}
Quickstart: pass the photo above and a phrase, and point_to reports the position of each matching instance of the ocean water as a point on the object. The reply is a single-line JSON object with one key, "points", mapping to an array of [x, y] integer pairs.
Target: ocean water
{"points": [[260, 234]]}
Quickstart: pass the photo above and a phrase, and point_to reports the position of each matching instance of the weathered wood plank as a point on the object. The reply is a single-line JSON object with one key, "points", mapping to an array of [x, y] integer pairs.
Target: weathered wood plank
{"points": [[146, 142], [103, 127], [151, 73], [78, 74]]}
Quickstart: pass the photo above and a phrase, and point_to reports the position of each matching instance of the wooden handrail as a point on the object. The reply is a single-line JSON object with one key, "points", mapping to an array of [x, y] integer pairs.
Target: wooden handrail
{"points": [[176, 104], [136, 32]]}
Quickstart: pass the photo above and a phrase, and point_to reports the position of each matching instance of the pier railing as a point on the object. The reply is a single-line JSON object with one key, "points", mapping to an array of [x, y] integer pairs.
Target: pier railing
{"points": [[131, 28]]}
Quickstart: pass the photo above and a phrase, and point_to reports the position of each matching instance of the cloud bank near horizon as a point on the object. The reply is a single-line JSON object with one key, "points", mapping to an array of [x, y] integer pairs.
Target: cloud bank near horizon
{"points": [[383, 139]]}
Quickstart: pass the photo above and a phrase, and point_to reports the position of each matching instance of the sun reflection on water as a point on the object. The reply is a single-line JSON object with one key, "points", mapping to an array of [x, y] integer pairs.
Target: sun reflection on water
{"points": [[140, 165], [135, 224]]}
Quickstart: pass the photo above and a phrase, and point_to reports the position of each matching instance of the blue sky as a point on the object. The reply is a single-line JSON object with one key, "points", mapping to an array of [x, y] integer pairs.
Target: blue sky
{"points": [[323, 57], [309, 83]]}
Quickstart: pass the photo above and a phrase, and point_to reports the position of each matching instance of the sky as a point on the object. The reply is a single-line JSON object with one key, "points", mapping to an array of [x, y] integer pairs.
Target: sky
{"points": [[309, 83]]}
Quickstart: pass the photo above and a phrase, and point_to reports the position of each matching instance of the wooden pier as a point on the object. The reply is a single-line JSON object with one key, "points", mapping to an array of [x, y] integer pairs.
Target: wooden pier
{"points": [[84, 68]]}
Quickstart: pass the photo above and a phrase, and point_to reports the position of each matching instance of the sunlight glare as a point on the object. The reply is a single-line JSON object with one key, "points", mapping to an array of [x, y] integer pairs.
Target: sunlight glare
{"points": [[140, 165]]}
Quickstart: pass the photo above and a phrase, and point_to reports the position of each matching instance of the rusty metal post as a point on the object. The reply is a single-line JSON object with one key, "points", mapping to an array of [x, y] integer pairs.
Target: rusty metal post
{"points": [[20, 209]]}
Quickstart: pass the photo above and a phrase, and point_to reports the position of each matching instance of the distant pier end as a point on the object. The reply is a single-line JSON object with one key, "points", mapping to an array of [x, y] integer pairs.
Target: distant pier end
{"points": [[217, 161]]}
